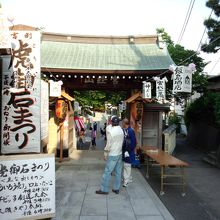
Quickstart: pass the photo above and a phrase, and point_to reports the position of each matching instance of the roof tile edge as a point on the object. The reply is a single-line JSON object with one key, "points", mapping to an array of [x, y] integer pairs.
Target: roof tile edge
{"points": [[94, 39]]}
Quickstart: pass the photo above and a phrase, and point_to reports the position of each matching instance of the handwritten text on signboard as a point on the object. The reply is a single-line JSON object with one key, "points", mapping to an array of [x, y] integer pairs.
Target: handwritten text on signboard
{"points": [[27, 187], [21, 95]]}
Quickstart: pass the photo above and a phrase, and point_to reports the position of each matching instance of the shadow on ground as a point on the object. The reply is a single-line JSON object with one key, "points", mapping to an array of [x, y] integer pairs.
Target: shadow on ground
{"points": [[203, 187]]}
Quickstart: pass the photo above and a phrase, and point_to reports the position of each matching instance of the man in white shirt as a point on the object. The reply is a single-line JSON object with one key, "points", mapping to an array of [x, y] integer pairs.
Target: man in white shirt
{"points": [[113, 157]]}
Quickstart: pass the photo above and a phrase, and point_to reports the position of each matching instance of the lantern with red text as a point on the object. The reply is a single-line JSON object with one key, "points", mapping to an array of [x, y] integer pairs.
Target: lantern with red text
{"points": [[61, 109]]}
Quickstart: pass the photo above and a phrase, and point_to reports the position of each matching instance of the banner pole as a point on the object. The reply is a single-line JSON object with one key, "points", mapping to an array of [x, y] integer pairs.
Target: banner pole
{"points": [[61, 142]]}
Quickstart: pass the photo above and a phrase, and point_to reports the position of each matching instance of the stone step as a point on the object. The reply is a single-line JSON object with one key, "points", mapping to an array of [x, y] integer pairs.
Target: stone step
{"points": [[83, 159], [211, 158]]}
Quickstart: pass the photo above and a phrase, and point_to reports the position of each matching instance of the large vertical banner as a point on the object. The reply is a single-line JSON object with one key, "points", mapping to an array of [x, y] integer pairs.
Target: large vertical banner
{"points": [[21, 95], [146, 90], [182, 80], [160, 89]]}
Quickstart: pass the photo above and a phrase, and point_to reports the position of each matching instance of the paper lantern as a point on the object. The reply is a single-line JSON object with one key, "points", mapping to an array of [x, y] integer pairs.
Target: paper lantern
{"points": [[61, 109]]}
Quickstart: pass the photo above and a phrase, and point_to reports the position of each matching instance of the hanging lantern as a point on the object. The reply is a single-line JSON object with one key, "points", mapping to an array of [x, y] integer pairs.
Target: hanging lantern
{"points": [[61, 109]]}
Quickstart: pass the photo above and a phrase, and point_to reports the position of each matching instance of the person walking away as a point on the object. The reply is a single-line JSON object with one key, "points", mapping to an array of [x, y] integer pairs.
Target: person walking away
{"points": [[93, 139], [128, 151], [113, 157], [81, 138], [104, 130], [95, 126]]}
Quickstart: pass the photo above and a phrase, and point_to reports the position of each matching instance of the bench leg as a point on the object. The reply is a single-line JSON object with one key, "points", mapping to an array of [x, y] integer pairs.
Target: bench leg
{"points": [[162, 180], [147, 172], [183, 181]]}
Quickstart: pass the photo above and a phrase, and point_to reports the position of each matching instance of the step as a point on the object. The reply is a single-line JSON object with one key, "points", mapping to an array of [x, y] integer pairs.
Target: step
{"points": [[211, 159], [83, 159]]}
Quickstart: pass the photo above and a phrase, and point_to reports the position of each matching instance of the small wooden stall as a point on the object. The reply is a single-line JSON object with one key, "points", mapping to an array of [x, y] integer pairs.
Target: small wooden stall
{"points": [[147, 118]]}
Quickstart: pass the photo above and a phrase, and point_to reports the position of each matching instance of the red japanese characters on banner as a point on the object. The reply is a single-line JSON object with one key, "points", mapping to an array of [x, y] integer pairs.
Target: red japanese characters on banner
{"points": [[21, 94]]}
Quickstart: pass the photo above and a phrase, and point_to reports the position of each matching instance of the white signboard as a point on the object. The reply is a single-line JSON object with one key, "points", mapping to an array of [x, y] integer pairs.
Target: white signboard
{"points": [[44, 109], [21, 95], [182, 80], [27, 186], [146, 90], [160, 89], [55, 88]]}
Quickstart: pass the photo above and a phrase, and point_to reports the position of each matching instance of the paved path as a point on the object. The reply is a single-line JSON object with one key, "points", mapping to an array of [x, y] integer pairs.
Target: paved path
{"points": [[79, 178]]}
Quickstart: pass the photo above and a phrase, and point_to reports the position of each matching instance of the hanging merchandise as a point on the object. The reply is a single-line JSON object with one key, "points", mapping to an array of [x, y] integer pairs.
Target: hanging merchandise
{"points": [[161, 89], [182, 78], [146, 90], [79, 123]]}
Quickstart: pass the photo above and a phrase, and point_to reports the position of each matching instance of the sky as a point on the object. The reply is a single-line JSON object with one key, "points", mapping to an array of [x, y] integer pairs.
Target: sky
{"points": [[117, 18]]}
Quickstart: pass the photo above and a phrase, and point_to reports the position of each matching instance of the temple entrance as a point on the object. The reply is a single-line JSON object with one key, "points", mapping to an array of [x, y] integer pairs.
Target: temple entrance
{"points": [[92, 115], [106, 63]]}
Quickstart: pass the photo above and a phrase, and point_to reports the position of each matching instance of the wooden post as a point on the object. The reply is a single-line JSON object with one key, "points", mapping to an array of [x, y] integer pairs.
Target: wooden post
{"points": [[61, 141]]}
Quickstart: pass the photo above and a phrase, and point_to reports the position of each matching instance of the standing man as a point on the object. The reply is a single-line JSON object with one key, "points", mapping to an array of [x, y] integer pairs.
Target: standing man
{"points": [[128, 152], [113, 157]]}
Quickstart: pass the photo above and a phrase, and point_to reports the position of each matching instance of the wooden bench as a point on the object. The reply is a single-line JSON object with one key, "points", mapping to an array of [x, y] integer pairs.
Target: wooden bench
{"points": [[165, 160]]}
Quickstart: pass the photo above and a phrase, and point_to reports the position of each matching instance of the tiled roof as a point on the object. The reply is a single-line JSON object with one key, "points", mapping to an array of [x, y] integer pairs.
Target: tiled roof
{"points": [[85, 56]]}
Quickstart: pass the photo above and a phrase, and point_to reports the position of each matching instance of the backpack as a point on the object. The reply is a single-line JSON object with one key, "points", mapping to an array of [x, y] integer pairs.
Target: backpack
{"points": [[127, 141]]}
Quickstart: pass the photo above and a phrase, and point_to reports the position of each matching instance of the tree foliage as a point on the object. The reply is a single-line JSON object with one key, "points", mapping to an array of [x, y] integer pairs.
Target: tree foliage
{"points": [[97, 99], [206, 109], [182, 56], [213, 27]]}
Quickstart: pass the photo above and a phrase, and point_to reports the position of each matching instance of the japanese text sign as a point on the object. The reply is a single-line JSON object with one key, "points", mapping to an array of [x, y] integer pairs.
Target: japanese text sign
{"points": [[21, 94], [160, 89], [146, 90], [27, 186], [55, 88], [182, 80]]}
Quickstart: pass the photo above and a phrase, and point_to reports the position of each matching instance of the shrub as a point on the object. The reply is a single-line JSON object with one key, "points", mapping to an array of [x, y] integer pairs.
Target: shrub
{"points": [[174, 119], [205, 108]]}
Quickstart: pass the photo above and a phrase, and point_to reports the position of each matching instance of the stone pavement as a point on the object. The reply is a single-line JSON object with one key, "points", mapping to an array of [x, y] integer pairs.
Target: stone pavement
{"points": [[77, 180]]}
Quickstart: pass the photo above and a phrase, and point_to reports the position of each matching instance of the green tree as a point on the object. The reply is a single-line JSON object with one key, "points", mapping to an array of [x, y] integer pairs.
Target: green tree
{"points": [[97, 99], [182, 56], [213, 27], [206, 105]]}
